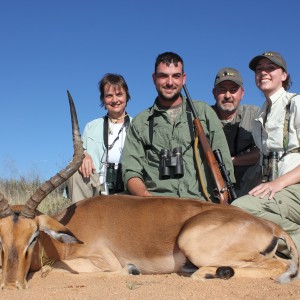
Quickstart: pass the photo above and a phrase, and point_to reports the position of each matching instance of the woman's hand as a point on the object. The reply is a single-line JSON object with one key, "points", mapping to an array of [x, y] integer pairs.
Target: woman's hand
{"points": [[268, 188], [272, 187], [87, 167]]}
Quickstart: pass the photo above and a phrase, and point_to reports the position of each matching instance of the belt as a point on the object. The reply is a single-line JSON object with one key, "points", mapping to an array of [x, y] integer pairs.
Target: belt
{"points": [[281, 154]]}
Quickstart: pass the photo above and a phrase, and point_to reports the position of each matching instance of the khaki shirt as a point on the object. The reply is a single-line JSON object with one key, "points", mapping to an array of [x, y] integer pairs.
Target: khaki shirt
{"points": [[238, 133], [270, 137], [144, 164]]}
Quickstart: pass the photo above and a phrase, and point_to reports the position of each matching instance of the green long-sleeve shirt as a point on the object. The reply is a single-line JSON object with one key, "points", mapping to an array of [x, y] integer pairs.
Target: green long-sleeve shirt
{"points": [[144, 163]]}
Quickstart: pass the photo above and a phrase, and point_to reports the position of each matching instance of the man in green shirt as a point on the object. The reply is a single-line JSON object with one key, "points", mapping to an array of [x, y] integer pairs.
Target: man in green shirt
{"points": [[237, 121], [163, 128]]}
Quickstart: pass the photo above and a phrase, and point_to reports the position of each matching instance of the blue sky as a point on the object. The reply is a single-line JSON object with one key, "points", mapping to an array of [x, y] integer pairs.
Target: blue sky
{"points": [[48, 47]]}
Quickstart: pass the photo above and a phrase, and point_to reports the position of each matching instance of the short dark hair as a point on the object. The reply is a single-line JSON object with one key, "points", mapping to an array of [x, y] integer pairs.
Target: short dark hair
{"points": [[168, 58], [112, 79]]}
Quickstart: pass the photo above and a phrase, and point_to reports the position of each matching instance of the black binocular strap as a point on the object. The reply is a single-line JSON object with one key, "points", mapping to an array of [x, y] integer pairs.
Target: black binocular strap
{"points": [[151, 127], [105, 131]]}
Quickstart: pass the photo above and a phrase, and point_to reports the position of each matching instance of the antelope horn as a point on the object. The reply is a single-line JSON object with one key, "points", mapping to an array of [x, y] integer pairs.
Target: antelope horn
{"points": [[48, 186], [5, 209]]}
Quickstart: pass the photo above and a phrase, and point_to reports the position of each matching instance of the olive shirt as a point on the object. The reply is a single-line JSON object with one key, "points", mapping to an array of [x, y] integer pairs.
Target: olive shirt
{"points": [[138, 161], [238, 132]]}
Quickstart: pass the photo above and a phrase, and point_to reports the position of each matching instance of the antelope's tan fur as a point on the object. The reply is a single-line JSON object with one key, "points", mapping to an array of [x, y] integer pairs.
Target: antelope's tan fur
{"points": [[161, 234], [156, 235]]}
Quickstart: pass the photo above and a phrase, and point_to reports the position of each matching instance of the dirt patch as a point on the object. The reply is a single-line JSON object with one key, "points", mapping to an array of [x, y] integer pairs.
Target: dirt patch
{"points": [[172, 286]]}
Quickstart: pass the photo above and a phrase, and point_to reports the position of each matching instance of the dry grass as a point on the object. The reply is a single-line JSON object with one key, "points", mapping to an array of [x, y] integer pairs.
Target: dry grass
{"points": [[19, 190]]}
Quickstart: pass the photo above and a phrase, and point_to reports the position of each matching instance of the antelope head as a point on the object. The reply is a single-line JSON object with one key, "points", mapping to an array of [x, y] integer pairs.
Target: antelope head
{"points": [[20, 225]]}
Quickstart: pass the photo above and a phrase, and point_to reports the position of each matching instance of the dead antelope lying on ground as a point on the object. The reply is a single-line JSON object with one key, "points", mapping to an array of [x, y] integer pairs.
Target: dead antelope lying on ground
{"points": [[120, 234]]}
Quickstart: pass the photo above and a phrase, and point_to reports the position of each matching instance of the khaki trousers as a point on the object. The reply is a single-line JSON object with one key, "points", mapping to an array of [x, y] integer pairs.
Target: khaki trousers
{"points": [[81, 188], [283, 209]]}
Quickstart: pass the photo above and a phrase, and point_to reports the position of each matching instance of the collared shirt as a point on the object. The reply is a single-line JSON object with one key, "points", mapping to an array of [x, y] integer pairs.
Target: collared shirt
{"points": [[269, 137], [93, 142], [238, 132], [144, 164]]}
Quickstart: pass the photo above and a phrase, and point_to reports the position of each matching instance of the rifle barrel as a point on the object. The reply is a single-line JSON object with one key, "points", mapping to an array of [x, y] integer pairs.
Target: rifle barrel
{"points": [[221, 187], [188, 97]]}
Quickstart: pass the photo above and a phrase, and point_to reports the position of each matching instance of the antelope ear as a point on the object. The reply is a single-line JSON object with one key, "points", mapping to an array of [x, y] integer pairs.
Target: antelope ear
{"points": [[56, 230]]}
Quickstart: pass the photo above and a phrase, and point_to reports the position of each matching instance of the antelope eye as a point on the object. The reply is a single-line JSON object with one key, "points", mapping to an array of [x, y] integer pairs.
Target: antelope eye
{"points": [[34, 239]]}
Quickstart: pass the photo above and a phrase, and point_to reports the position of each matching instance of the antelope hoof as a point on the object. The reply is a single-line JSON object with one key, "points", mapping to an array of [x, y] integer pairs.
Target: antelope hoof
{"points": [[133, 270], [224, 272]]}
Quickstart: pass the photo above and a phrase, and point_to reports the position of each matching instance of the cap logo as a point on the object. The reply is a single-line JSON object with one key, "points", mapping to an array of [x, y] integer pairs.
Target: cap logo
{"points": [[268, 54], [228, 74]]}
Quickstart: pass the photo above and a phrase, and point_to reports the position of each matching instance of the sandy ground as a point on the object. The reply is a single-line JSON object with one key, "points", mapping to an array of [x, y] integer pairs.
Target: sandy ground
{"points": [[171, 286]]}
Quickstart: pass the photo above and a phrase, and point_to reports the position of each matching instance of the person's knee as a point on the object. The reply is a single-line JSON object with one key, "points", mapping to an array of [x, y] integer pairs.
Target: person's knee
{"points": [[242, 202], [77, 178]]}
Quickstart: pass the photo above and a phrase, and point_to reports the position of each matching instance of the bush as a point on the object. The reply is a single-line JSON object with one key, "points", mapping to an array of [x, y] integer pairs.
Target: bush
{"points": [[18, 191]]}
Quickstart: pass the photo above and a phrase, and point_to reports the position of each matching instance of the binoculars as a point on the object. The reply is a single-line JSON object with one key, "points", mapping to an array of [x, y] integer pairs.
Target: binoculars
{"points": [[114, 182], [171, 164]]}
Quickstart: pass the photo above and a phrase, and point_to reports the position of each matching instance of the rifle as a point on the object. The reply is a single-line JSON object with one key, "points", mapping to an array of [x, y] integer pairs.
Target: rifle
{"points": [[221, 188], [225, 175]]}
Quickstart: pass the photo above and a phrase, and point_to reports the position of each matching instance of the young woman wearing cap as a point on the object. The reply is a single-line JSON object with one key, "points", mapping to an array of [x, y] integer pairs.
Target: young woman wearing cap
{"points": [[276, 132]]}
